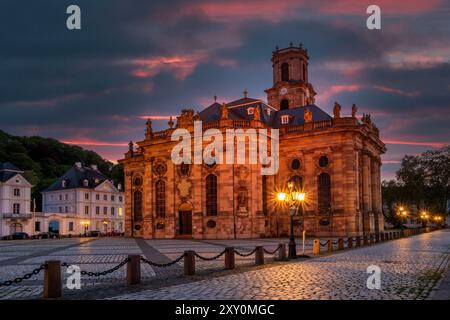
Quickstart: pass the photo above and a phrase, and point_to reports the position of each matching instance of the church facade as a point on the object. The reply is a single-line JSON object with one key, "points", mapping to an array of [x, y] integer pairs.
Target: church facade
{"points": [[333, 159]]}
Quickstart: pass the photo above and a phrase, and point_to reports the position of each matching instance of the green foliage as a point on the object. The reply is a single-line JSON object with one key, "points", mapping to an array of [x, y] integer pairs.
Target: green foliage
{"points": [[44, 160], [422, 180]]}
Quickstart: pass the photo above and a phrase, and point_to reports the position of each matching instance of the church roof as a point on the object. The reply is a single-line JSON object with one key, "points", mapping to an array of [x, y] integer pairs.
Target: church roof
{"points": [[75, 177], [296, 115], [238, 110]]}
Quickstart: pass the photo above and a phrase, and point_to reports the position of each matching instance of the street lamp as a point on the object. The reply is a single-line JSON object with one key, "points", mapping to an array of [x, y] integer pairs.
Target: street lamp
{"points": [[293, 199], [403, 214]]}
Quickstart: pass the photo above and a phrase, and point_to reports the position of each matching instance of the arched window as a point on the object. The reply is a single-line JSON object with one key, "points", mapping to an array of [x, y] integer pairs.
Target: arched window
{"points": [[284, 104], [324, 193], [285, 72], [160, 203], [211, 195], [297, 183], [137, 208]]}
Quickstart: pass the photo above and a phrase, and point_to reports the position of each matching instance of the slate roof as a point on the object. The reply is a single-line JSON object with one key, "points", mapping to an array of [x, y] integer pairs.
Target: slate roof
{"points": [[8, 170], [237, 110], [75, 177]]}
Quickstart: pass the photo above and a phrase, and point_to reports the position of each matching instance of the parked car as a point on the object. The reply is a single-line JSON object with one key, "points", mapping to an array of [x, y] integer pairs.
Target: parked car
{"points": [[17, 236], [46, 235], [94, 233]]}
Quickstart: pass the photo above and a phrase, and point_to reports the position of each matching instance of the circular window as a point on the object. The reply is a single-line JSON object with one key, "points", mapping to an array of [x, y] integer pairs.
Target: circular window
{"points": [[137, 227], [184, 169], [295, 165], [211, 224], [137, 182], [160, 169], [323, 161]]}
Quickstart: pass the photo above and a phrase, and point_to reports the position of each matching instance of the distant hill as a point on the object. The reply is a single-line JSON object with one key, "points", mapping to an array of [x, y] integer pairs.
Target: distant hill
{"points": [[46, 159]]}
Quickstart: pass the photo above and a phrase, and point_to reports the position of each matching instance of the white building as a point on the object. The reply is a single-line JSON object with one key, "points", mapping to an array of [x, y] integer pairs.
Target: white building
{"points": [[15, 201], [82, 200]]}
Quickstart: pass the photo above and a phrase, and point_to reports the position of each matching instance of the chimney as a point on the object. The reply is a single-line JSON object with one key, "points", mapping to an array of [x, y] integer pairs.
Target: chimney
{"points": [[78, 164], [94, 167], [119, 187]]}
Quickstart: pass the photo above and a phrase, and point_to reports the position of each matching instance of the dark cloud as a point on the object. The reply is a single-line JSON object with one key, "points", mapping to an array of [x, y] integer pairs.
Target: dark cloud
{"points": [[135, 58]]}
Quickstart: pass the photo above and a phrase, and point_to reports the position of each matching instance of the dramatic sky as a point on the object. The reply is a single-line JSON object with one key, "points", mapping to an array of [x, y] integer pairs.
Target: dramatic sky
{"points": [[139, 58]]}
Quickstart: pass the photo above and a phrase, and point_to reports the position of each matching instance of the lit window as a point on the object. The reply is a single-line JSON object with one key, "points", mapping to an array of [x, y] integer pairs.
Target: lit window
{"points": [[268, 111], [120, 212], [284, 119]]}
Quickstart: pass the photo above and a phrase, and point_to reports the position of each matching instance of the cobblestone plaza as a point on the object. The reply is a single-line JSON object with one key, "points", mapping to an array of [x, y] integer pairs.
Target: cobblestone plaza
{"points": [[410, 269]]}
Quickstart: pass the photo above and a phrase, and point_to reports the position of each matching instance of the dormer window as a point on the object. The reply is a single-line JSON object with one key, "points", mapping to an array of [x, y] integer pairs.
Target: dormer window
{"points": [[285, 119], [85, 183], [250, 111], [63, 183], [268, 111]]}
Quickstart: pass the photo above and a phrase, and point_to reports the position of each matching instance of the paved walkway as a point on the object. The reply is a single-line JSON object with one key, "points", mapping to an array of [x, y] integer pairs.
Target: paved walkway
{"points": [[410, 269]]}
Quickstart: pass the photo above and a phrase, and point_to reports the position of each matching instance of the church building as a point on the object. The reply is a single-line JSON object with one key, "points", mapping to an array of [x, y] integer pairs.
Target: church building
{"points": [[333, 159]]}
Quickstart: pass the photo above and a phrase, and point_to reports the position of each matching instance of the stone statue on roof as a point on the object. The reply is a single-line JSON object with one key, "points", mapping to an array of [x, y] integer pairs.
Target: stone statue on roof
{"points": [[223, 111], [149, 130], [337, 110], [257, 114], [354, 110]]}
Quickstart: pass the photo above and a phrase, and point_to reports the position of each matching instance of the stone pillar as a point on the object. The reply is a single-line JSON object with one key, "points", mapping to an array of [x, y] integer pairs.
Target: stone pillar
{"points": [[367, 193], [147, 196], [128, 203]]}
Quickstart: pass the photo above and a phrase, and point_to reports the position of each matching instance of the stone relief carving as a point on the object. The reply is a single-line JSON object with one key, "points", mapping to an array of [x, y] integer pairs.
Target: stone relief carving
{"points": [[307, 116]]}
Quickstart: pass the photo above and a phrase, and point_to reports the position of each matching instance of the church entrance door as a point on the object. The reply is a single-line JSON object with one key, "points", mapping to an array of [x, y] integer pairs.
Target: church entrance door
{"points": [[185, 223]]}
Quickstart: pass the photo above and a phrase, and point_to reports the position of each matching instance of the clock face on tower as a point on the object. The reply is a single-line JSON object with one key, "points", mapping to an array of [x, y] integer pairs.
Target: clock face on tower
{"points": [[283, 91]]}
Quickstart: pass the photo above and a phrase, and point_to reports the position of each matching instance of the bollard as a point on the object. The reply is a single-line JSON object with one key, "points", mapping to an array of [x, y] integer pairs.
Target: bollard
{"points": [[133, 270], [350, 243], [340, 244], [330, 245], [382, 236], [316, 247], [259, 255], [377, 237], [365, 241], [189, 263], [229, 258], [282, 252], [358, 241], [52, 280]]}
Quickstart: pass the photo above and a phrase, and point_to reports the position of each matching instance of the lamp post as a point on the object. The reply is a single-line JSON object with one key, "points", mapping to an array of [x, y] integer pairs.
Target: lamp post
{"points": [[293, 199], [403, 214]]}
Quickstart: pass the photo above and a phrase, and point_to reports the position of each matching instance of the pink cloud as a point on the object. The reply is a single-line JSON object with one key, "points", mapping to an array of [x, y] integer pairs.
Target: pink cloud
{"points": [[158, 117], [416, 143], [395, 7], [181, 65], [95, 143]]}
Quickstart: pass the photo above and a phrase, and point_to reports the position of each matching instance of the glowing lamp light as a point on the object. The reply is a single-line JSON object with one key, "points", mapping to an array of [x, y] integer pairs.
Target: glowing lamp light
{"points": [[299, 196], [281, 196]]}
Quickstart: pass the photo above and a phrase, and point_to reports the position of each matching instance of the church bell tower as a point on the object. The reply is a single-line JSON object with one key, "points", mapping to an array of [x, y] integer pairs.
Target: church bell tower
{"points": [[290, 88]]}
